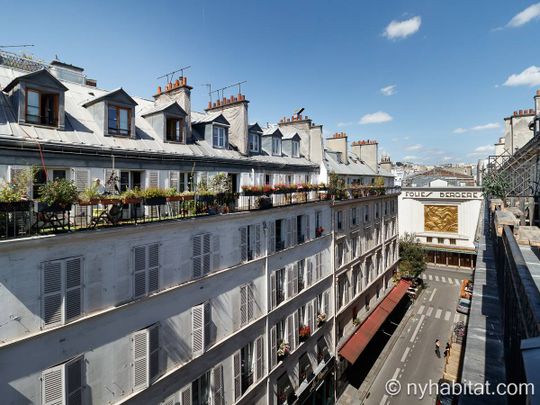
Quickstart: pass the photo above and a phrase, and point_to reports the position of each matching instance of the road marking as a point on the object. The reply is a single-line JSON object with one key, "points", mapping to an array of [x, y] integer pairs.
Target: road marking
{"points": [[383, 400], [405, 354], [456, 317], [447, 315], [438, 313], [421, 310], [432, 295], [396, 373], [458, 282], [436, 278], [417, 329], [430, 277], [429, 311], [443, 279]]}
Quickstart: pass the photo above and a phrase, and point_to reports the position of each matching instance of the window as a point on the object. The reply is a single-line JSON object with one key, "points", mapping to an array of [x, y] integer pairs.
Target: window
{"points": [[356, 281], [366, 213], [61, 291], [354, 246], [276, 146], [353, 217], [339, 220], [41, 108], [429, 239], [340, 251], [301, 267], [302, 228], [146, 270], [304, 368], [277, 285], [145, 357], [280, 234], [318, 266], [200, 390], [63, 384], [219, 137], [248, 366], [452, 241], [343, 287], [322, 350], [175, 130], [119, 120], [201, 318], [254, 142], [250, 242], [205, 254], [246, 304], [295, 149]]}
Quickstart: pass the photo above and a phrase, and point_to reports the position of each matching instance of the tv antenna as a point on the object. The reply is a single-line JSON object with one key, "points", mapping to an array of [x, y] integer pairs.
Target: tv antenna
{"points": [[16, 46], [209, 87], [221, 91], [170, 75]]}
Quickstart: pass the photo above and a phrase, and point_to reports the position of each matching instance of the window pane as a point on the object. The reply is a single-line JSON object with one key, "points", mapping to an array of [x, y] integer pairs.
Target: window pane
{"points": [[32, 109], [112, 119], [124, 124]]}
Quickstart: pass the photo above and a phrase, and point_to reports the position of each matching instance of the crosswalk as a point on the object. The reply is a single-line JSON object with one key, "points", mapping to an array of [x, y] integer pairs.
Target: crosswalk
{"points": [[440, 313], [442, 279]]}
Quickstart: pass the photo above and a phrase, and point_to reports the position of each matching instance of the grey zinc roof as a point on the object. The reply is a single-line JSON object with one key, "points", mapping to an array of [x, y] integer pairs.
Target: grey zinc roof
{"points": [[162, 107], [354, 168], [82, 130]]}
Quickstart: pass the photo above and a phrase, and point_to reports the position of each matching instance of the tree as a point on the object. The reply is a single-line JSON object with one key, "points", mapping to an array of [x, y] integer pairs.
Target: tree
{"points": [[412, 256], [495, 185]]}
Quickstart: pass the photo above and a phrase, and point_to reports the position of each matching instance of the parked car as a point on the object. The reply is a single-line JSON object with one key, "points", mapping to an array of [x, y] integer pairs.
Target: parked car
{"points": [[466, 289], [445, 397], [464, 306]]}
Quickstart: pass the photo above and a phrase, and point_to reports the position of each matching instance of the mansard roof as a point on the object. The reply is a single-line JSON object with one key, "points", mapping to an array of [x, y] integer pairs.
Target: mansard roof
{"points": [[42, 77]]}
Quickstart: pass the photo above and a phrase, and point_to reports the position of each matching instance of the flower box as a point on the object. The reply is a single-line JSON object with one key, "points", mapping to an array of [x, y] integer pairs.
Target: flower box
{"points": [[304, 332], [131, 200], [15, 206], [153, 201], [93, 201], [44, 207], [173, 198], [106, 201], [206, 198]]}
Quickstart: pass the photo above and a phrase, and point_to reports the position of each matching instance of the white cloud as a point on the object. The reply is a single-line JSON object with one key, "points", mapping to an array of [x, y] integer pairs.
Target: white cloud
{"points": [[529, 77], [447, 158], [344, 124], [402, 29], [389, 90], [410, 157], [406, 138], [525, 16], [414, 147], [375, 118], [459, 130], [483, 150], [484, 127]]}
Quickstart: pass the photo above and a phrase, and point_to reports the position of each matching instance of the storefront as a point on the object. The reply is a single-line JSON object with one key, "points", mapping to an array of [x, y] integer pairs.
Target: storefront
{"points": [[460, 259]]}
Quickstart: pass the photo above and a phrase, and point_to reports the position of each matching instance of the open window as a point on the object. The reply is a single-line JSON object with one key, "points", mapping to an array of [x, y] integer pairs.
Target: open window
{"points": [[119, 122], [41, 107], [175, 130]]}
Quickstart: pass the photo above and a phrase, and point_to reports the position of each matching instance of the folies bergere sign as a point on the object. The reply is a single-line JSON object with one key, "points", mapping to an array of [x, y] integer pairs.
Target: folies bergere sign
{"points": [[444, 195]]}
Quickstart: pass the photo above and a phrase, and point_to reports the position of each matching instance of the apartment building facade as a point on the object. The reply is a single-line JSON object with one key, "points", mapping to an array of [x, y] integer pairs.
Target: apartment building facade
{"points": [[183, 308]]}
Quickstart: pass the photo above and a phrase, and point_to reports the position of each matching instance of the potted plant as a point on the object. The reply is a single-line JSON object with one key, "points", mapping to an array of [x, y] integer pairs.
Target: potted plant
{"points": [[14, 195], [304, 333], [131, 196], [89, 196], [356, 321], [173, 195], [319, 231], [283, 350], [187, 195], [57, 196], [264, 202], [321, 318], [154, 196], [110, 199]]}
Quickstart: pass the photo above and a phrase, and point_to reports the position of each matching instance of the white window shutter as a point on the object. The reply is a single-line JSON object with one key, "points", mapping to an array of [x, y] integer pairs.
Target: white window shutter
{"points": [[271, 237], [243, 244], [290, 280], [169, 400], [197, 319], [318, 265], [308, 227], [309, 272], [273, 346], [310, 316], [291, 228], [215, 252], [243, 305], [218, 393], [290, 332], [153, 267], [73, 285], [296, 328], [273, 290], [207, 324], [154, 366], [51, 293], [139, 271], [53, 386], [174, 181], [185, 395], [140, 360], [316, 309], [259, 365], [74, 379], [327, 303], [152, 179], [237, 375], [250, 302], [258, 240], [295, 278], [81, 178], [197, 256], [206, 253]]}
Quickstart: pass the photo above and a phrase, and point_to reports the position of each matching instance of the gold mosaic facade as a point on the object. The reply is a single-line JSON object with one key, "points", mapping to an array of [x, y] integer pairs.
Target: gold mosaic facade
{"points": [[441, 218]]}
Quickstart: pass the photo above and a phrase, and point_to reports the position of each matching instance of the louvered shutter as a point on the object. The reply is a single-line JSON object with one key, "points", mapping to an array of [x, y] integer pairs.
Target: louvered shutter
{"points": [[73, 285], [53, 386], [174, 181], [250, 302], [295, 278], [153, 179], [51, 293], [215, 252], [108, 173], [153, 333], [309, 272], [273, 346], [318, 265], [243, 305], [81, 179], [258, 240], [316, 309], [197, 319], [308, 227], [273, 290], [296, 329], [217, 386], [207, 324], [74, 373], [290, 332], [206, 253], [197, 256], [140, 360], [291, 230], [259, 365], [310, 316], [237, 375], [243, 244], [271, 237], [169, 400], [290, 280], [185, 395], [139, 273], [327, 303], [153, 267]]}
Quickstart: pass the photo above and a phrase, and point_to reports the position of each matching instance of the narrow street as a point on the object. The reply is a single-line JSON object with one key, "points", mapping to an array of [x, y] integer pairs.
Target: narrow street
{"points": [[413, 358]]}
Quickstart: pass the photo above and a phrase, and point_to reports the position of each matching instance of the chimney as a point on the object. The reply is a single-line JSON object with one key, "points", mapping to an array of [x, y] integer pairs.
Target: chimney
{"points": [[386, 164], [235, 110], [180, 92], [537, 102], [368, 152], [338, 143]]}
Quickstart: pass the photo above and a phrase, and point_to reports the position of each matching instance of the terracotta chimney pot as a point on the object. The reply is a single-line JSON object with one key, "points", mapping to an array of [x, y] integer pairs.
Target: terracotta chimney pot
{"points": [[209, 104], [177, 83], [158, 89]]}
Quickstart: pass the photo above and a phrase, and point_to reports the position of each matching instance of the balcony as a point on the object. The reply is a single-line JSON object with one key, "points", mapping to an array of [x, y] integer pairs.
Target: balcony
{"points": [[23, 219]]}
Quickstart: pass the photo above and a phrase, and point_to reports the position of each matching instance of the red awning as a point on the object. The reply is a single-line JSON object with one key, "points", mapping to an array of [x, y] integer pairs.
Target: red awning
{"points": [[356, 344]]}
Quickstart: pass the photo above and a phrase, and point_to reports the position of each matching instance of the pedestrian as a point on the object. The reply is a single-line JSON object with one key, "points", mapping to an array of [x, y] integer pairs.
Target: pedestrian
{"points": [[437, 348], [447, 349]]}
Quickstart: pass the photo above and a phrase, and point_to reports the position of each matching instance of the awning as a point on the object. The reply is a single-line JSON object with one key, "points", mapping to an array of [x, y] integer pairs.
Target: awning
{"points": [[356, 344]]}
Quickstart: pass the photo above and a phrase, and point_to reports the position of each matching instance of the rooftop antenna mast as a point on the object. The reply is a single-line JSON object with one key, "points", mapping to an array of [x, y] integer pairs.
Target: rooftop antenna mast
{"points": [[221, 91], [170, 75], [209, 87], [16, 46]]}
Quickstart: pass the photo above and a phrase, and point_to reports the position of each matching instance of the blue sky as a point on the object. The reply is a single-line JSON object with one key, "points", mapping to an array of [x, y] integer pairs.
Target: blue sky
{"points": [[448, 60]]}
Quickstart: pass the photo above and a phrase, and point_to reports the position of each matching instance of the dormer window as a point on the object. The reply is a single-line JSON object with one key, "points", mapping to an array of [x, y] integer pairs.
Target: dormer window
{"points": [[41, 108], [219, 137], [276, 146], [119, 120], [254, 142], [175, 130], [295, 149]]}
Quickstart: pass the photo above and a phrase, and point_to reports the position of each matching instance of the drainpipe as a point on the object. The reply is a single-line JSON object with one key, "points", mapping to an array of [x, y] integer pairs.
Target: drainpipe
{"points": [[268, 301]]}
